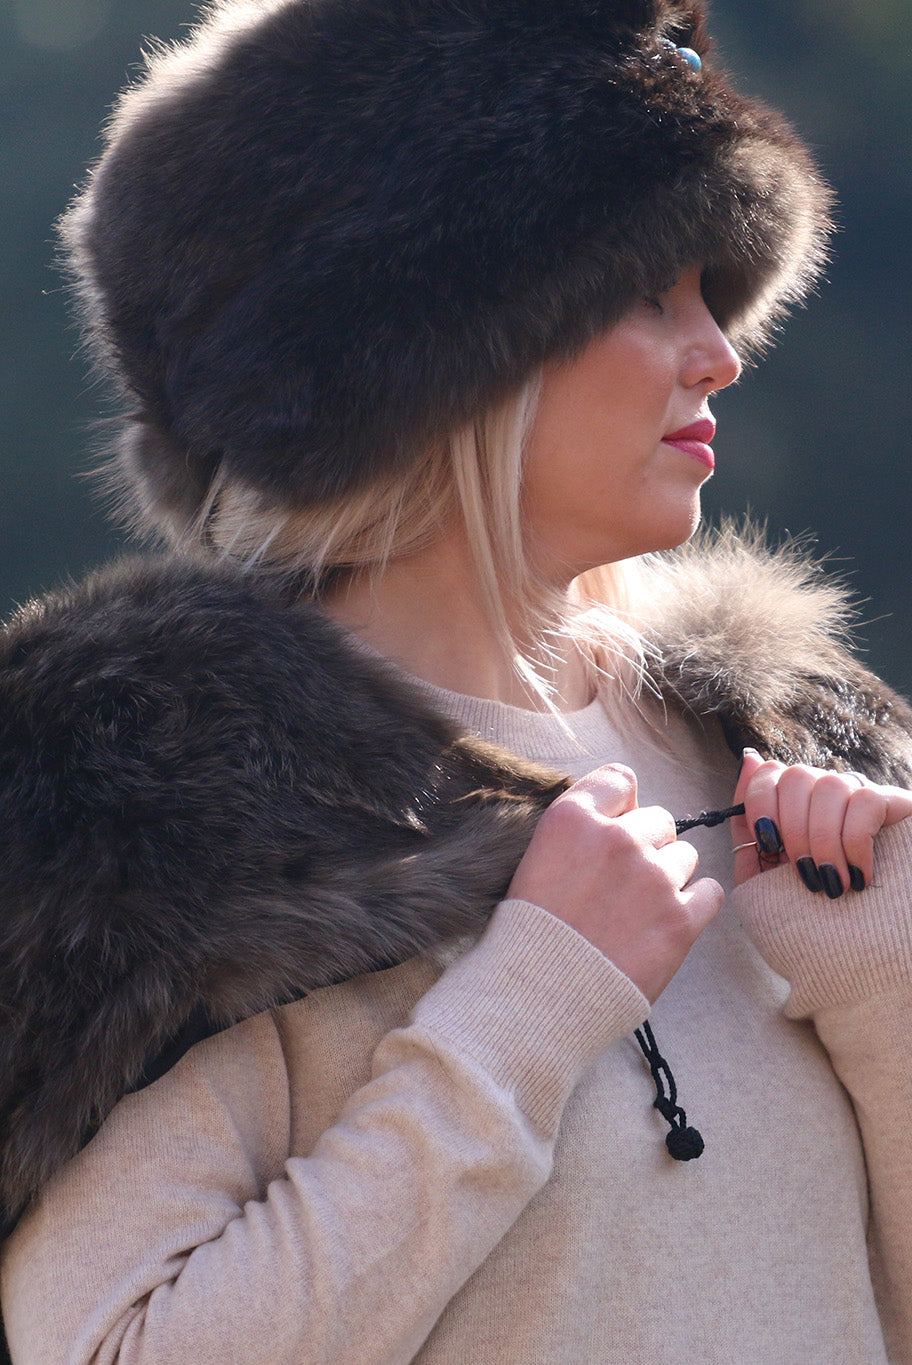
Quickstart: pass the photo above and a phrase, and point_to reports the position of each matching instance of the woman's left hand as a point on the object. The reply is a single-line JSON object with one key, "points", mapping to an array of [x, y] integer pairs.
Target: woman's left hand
{"points": [[824, 822]]}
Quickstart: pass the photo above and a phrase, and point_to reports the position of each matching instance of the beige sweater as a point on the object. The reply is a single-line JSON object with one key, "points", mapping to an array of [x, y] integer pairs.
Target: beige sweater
{"points": [[463, 1165]]}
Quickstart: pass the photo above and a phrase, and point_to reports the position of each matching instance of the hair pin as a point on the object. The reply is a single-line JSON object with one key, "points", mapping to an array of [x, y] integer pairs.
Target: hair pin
{"points": [[693, 59]]}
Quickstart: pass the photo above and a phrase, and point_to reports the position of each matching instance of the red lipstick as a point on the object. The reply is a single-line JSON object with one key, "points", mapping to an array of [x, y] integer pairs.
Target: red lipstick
{"points": [[694, 441]]}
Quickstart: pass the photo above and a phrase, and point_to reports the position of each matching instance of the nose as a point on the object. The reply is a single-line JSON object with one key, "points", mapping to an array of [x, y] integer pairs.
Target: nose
{"points": [[711, 361]]}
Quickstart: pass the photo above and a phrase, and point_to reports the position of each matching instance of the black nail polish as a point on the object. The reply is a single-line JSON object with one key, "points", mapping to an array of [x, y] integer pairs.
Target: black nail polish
{"points": [[832, 882], [856, 878], [807, 871], [767, 836]]}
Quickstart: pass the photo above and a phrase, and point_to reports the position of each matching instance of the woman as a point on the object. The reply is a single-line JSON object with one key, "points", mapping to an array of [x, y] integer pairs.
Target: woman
{"points": [[418, 311]]}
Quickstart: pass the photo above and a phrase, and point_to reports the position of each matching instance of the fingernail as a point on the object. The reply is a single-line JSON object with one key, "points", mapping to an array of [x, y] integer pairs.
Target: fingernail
{"points": [[856, 878], [767, 836], [807, 871], [832, 882], [755, 753]]}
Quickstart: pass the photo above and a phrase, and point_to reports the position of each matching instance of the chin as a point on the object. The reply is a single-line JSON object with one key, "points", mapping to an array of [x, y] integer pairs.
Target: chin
{"points": [[637, 536], [666, 534], [681, 536]]}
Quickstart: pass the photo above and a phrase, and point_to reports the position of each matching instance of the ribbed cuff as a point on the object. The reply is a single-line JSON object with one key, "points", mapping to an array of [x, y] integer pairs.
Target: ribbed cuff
{"points": [[534, 1003], [836, 952]]}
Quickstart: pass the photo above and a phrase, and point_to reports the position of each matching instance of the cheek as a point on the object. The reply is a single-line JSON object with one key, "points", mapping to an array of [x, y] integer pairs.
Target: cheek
{"points": [[617, 372], [595, 470], [604, 407]]}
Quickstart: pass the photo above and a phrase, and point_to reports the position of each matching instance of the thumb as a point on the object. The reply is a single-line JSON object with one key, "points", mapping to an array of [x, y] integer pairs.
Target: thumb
{"points": [[899, 804]]}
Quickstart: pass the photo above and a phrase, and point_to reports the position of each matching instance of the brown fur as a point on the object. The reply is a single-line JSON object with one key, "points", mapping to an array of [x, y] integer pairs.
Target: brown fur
{"points": [[323, 233], [759, 639], [211, 803]]}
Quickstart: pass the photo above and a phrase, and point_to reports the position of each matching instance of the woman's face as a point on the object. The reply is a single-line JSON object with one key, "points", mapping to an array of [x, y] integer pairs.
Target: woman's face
{"points": [[601, 481]]}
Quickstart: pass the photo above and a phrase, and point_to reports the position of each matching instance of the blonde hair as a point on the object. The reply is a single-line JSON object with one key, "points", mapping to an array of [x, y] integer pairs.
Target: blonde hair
{"points": [[473, 474]]}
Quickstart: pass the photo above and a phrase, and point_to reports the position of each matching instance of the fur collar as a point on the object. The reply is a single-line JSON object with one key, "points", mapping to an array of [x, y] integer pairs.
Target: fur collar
{"points": [[759, 638], [210, 803]]}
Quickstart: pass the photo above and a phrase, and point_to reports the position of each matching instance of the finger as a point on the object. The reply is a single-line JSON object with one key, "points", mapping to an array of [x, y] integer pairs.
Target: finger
{"points": [[760, 804], [869, 808], [610, 790], [680, 861], [793, 795], [898, 799], [702, 901], [742, 835], [651, 825], [760, 795], [827, 808], [864, 817], [899, 804], [750, 762]]}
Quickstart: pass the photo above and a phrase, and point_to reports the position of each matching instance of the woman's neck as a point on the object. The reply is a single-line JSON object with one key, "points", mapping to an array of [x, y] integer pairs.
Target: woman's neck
{"points": [[427, 614]]}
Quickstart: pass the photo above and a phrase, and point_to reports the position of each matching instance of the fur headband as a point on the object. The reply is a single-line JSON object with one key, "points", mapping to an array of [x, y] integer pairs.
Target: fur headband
{"points": [[324, 231]]}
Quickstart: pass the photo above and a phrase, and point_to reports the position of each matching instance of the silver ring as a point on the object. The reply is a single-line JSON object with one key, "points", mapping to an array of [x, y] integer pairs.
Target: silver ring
{"points": [[738, 847]]}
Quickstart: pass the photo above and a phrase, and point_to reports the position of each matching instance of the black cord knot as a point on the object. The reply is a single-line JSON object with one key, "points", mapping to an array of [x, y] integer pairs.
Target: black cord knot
{"points": [[684, 1144]]}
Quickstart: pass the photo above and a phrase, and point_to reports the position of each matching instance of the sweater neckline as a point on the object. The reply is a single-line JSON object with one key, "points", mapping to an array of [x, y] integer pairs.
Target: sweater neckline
{"points": [[545, 736], [548, 736]]}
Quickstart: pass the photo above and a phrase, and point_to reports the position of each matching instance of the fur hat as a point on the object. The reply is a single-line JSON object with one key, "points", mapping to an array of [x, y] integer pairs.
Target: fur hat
{"points": [[324, 231]]}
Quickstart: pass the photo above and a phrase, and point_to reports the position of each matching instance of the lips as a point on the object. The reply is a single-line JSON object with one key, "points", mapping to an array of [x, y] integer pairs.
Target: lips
{"points": [[694, 441]]}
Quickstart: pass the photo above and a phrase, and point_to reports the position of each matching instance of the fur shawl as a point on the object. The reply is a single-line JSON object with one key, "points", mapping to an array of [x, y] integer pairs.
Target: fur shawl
{"points": [[211, 803]]}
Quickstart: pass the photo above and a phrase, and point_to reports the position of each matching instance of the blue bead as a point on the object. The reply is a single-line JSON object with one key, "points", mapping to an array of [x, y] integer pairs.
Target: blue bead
{"points": [[693, 59]]}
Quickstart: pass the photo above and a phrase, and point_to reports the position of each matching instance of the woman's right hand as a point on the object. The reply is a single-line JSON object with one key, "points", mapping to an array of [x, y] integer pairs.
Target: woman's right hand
{"points": [[619, 875]]}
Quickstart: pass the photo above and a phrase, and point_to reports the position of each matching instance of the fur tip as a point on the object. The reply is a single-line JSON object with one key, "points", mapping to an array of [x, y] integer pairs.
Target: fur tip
{"points": [[728, 606]]}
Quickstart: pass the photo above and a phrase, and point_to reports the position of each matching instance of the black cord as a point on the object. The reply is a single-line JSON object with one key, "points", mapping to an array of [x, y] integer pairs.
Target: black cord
{"points": [[683, 1143], [706, 817]]}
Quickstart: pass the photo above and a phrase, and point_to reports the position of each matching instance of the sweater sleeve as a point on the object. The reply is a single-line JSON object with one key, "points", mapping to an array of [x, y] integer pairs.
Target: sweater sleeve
{"points": [[849, 964], [185, 1231]]}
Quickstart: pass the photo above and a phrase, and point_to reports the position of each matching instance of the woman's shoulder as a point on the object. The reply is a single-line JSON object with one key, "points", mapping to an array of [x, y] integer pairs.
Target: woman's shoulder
{"points": [[199, 804]]}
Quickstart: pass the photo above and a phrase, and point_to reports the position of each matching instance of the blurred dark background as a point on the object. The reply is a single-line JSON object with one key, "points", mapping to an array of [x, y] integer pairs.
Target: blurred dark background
{"points": [[815, 439]]}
